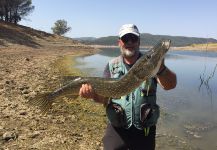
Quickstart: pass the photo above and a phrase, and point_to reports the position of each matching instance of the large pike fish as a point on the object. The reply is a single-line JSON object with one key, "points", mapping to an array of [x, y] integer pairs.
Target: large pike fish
{"points": [[145, 67]]}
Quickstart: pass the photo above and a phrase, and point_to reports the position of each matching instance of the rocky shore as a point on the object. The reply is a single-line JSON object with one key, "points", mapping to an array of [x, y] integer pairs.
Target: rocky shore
{"points": [[24, 73]]}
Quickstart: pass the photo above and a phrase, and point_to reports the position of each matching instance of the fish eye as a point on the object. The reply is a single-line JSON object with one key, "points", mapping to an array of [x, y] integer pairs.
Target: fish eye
{"points": [[148, 56]]}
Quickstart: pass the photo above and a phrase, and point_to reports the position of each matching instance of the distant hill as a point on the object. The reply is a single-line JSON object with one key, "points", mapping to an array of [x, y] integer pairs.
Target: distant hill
{"points": [[85, 39], [149, 40], [11, 34]]}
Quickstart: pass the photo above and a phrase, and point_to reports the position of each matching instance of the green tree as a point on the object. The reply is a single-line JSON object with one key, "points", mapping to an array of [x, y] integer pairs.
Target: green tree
{"points": [[60, 27], [15, 10]]}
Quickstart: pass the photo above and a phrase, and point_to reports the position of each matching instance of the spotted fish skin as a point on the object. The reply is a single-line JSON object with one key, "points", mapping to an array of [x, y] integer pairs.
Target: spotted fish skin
{"points": [[145, 67]]}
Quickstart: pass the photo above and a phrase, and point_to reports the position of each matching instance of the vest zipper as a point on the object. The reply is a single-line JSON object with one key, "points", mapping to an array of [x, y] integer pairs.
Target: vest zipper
{"points": [[133, 111]]}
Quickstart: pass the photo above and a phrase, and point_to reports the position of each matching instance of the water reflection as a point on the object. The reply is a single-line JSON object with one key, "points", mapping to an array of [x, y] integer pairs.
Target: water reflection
{"points": [[193, 102], [205, 79]]}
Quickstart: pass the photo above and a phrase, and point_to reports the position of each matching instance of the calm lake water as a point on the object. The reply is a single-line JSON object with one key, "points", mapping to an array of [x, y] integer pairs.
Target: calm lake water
{"points": [[192, 104]]}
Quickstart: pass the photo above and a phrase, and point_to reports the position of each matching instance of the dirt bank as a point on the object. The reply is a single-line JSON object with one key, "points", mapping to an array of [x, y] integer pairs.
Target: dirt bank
{"points": [[26, 72]]}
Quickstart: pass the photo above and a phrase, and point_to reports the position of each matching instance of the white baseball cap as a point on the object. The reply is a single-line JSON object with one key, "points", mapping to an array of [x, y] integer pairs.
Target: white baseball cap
{"points": [[128, 28]]}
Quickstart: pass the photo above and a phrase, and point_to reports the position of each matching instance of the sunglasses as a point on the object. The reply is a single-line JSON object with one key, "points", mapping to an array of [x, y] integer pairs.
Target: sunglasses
{"points": [[130, 37]]}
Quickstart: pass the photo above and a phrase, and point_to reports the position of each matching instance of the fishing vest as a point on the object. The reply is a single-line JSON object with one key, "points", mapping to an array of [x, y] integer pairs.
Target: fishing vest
{"points": [[132, 103]]}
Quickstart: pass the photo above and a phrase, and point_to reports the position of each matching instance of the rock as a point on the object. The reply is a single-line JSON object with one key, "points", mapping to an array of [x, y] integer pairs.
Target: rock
{"points": [[27, 59], [23, 113], [25, 91], [7, 82], [34, 134], [7, 70], [22, 137], [23, 87], [1, 128], [1, 91], [71, 117], [197, 136], [13, 105], [9, 136], [26, 96], [1, 86], [60, 120]]}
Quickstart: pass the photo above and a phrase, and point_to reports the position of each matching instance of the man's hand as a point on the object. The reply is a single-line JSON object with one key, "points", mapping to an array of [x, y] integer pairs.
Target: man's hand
{"points": [[166, 78], [86, 91]]}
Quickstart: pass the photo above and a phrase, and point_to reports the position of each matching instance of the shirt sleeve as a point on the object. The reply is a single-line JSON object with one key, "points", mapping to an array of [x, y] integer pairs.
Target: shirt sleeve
{"points": [[106, 73]]}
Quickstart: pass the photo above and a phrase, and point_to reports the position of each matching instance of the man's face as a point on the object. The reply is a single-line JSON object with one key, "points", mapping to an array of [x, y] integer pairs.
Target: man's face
{"points": [[129, 45]]}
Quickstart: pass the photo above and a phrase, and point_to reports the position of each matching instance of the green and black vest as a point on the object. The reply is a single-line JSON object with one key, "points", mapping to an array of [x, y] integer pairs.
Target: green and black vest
{"points": [[131, 103]]}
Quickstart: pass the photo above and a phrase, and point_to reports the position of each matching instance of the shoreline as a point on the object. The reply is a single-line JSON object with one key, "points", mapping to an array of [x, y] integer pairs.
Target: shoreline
{"points": [[186, 48]]}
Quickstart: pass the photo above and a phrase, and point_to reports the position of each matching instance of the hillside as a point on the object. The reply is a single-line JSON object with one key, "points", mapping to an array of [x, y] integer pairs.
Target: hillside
{"points": [[11, 35], [150, 40]]}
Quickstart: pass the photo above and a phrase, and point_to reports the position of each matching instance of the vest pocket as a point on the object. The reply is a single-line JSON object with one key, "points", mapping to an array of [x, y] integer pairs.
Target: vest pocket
{"points": [[149, 114], [116, 114]]}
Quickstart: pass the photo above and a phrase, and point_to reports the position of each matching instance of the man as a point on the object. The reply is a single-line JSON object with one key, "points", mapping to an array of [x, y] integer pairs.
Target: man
{"points": [[132, 118]]}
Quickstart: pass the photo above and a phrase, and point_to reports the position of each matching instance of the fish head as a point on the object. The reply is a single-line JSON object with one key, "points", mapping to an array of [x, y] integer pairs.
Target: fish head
{"points": [[159, 50], [155, 56]]}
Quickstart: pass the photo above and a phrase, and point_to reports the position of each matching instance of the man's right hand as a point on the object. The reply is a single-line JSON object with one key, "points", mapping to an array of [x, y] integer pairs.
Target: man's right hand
{"points": [[86, 91]]}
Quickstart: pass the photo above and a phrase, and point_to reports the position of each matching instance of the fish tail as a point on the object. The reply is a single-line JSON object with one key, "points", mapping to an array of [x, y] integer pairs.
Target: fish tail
{"points": [[43, 101]]}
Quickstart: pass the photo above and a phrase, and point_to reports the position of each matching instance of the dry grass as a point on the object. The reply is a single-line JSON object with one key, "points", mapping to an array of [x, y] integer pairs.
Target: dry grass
{"points": [[201, 47]]}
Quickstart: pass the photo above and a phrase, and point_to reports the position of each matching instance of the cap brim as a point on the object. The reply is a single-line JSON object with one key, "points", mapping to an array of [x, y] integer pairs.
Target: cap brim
{"points": [[135, 33]]}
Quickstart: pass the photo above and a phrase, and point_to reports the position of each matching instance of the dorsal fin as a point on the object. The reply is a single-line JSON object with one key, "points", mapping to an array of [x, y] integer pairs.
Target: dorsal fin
{"points": [[66, 79]]}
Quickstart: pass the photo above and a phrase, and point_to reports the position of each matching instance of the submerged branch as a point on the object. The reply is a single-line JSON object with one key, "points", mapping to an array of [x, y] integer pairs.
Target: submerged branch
{"points": [[211, 75]]}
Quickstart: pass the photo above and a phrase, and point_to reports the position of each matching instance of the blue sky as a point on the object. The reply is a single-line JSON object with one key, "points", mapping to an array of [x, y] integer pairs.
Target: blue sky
{"points": [[99, 18]]}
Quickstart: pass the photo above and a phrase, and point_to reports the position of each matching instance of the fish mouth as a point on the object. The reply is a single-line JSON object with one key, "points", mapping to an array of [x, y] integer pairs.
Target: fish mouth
{"points": [[166, 43], [158, 50]]}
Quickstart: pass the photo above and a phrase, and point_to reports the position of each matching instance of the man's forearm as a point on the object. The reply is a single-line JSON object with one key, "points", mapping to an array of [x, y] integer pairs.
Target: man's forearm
{"points": [[100, 99], [167, 79]]}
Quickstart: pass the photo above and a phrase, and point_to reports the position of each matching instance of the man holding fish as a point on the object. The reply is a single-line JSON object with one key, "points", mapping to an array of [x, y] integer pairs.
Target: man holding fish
{"points": [[132, 117]]}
